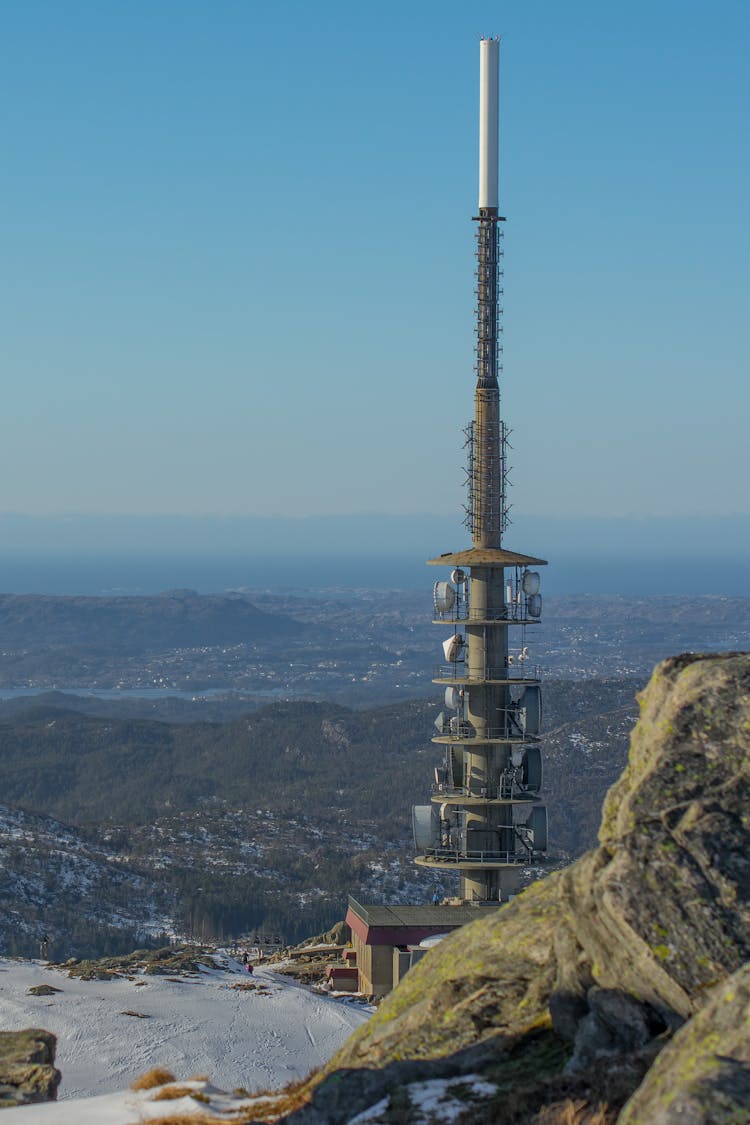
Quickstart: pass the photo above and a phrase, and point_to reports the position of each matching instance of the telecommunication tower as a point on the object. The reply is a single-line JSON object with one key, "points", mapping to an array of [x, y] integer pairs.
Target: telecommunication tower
{"points": [[485, 820]]}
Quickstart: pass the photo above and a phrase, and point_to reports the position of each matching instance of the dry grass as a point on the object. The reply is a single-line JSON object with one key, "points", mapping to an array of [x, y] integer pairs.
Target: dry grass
{"points": [[157, 1076], [576, 1112], [192, 1119], [172, 1093], [276, 1104], [280, 1103], [292, 1088]]}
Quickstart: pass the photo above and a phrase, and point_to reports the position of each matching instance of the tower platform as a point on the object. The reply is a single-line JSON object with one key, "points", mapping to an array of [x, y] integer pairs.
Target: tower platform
{"points": [[466, 861], [485, 557]]}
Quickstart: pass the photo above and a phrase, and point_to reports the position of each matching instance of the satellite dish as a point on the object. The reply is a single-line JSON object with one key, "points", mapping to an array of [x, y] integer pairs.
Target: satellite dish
{"points": [[511, 660], [453, 697], [531, 702], [534, 605], [537, 822], [532, 769], [453, 648], [444, 597], [440, 723], [530, 582], [426, 827], [458, 576]]}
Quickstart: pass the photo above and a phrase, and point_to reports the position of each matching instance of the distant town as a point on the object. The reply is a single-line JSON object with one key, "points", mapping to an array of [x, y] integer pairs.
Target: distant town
{"points": [[359, 647]]}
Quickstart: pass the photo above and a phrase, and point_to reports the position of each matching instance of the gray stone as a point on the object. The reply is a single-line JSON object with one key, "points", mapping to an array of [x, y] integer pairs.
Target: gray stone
{"points": [[27, 1074], [616, 1023], [703, 1076]]}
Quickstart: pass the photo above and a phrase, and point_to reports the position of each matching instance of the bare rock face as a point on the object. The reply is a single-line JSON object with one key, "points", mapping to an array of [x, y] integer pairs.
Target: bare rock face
{"points": [[27, 1073], [673, 897], [614, 953], [703, 1076]]}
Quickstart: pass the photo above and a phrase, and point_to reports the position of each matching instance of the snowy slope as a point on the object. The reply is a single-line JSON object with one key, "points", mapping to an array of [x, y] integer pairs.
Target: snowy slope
{"points": [[262, 1038]]}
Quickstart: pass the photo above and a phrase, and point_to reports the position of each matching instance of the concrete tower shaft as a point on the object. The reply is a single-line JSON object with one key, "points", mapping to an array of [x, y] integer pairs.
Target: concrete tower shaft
{"points": [[492, 773]]}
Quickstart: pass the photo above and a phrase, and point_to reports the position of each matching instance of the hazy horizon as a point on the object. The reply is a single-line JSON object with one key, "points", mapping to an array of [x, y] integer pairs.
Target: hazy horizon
{"points": [[356, 534], [116, 554]]}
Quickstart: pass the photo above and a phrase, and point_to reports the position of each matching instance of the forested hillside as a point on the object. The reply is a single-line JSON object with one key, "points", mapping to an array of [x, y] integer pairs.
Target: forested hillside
{"points": [[269, 820], [296, 758]]}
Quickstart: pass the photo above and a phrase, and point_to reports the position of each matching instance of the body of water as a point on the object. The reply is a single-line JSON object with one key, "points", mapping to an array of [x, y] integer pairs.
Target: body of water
{"points": [[125, 693], [599, 573]]}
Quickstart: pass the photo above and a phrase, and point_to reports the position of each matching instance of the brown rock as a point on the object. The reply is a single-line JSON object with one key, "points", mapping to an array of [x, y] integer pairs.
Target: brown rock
{"points": [[27, 1073]]}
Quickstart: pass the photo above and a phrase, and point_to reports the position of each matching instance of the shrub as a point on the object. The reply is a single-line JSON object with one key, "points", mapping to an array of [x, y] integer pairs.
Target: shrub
{"points": [[157, 1076]]}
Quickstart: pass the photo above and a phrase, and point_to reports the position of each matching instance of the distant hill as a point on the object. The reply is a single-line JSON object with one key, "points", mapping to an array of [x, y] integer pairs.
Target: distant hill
{"points": [[173, 620], [295, 758], [169, 708], [292, 757]]}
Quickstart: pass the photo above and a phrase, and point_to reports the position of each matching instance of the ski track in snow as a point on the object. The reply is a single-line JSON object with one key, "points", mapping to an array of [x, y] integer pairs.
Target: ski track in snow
{"points": [[200, 1026]]}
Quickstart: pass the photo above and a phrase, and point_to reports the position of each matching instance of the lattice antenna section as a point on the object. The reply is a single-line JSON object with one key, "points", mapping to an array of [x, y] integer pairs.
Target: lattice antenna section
{"points": [[505, 468], [489, 290], [469, 477], [482, 456]]}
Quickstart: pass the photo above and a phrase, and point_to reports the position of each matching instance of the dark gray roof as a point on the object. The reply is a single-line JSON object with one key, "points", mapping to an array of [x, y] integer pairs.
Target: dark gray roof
{"points": [[378, 914]]}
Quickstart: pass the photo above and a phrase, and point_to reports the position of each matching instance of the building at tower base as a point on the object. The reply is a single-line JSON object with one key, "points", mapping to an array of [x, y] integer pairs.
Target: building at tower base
{"points": [[389, 939]]}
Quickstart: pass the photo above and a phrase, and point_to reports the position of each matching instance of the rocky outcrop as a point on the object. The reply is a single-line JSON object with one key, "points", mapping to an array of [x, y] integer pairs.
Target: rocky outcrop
{"points": [[339, 934], [608, 958], [27, 1073], [703, 1075]]}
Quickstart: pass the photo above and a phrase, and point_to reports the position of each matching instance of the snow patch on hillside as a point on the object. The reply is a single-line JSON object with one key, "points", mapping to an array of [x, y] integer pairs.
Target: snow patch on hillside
{"points": [[110, 1032]]}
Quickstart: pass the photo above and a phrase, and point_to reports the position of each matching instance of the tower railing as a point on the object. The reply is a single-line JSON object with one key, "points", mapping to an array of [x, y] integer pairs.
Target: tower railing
{"points": [[464, 732], [517, 613], [503, 792], [524, 673], [456, 855]]}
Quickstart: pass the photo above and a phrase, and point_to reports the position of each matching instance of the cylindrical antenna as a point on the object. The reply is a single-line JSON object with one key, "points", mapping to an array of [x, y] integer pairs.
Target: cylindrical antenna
{"points": [[488, 122]]}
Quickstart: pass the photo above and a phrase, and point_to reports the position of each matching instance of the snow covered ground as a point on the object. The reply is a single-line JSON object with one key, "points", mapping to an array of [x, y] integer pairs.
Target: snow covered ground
{"points": [[236, 1037]]}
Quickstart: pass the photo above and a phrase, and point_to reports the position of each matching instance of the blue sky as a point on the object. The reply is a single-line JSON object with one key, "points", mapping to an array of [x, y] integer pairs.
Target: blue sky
{"points": [[237, 251]]}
